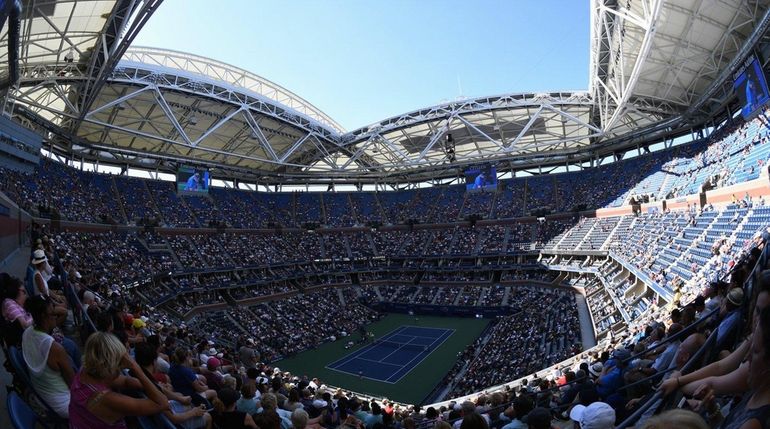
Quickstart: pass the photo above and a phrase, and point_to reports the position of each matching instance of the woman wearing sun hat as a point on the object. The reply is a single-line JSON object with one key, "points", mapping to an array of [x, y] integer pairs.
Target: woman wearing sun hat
{"points": [[40, 282]]}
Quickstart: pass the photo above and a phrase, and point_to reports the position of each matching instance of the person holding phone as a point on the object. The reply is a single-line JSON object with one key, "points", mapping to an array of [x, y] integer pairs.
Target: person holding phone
{"points": [[181, 411], [95, 401]]}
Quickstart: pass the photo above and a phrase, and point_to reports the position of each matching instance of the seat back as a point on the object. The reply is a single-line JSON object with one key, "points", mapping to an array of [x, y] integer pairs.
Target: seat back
{"points": [[29, 280], [22, 371], [149, 422], [20, 413], [10, 332], [19, 366]]}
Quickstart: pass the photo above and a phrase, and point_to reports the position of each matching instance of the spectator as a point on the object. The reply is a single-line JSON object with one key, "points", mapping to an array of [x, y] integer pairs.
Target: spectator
{"points": [[754, 409], [227, 416], [180, 413], [270, 411], [514, 414], [249, 357], [474, 421], [248, 401], [611, 379], [300, 420], [293, 402], [375, 416], [43, 273], [50, 368], [14, 295], [539, 418], [184, 379], [95, 403], [731, 317], [598, 415], [677, 418]]}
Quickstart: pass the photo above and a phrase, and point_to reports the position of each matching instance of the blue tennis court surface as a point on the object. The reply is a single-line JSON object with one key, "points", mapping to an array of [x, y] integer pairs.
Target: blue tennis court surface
{"points": [[391, 357]]}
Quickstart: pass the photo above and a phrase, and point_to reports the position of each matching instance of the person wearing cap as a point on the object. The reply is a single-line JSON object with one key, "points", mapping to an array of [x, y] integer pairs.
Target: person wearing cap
{"points": [[611, 379], [226, 416], [729, 311], [596, 369], [214, 378], [43, 272], [40, 278], [598, 415], [140, 326]]}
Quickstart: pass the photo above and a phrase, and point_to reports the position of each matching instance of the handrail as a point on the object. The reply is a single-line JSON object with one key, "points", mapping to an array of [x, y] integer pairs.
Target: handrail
{"points": [[710, 342], [665, 294], [697, 357]]}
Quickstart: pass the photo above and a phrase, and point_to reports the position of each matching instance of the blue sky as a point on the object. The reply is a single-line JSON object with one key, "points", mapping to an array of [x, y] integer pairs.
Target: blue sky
{"points": [[364, 61]]}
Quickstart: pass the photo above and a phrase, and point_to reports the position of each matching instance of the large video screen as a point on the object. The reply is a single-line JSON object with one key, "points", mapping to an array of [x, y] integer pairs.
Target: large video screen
{"points": [[481, 178], [192, 180], [750, 84]]}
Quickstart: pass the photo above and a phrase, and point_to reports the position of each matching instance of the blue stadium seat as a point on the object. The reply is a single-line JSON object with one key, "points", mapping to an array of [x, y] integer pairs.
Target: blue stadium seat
{"points": [[22, 371], [20, 413]]}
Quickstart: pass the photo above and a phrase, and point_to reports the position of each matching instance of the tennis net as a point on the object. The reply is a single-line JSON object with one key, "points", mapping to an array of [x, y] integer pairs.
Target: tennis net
{"points": [[405, 346]]}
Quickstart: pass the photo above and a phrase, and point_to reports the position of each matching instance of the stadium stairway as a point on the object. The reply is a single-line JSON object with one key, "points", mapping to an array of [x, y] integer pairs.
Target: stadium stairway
{"points": [[236, 323], [151, 199], [482, 296], [114, 190]]}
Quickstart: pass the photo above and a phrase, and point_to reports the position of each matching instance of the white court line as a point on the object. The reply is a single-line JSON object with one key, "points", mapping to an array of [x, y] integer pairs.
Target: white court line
{"points": [[361, 376], [397, 331], [450, 331], [349, 358], [381, 362], [402, 346]]}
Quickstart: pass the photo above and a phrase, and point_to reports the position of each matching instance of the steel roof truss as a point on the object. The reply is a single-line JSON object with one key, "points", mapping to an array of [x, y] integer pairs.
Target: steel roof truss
{"points": [[216, 126], [257, 130], [161, 100], [483, 134], [297, 144]]}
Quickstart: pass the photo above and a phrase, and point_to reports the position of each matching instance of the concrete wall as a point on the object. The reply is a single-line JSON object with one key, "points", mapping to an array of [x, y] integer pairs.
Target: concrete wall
{"points": [[14, 228]]}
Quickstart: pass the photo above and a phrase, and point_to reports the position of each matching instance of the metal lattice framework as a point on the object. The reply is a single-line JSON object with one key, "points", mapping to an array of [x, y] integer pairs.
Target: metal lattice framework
{"points": [[660, 65]]}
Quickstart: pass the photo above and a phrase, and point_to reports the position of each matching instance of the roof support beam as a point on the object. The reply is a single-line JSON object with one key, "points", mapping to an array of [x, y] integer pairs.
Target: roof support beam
{"points": [[170, 115], [257, 130], [216, 126], [620, 85], [127, 18]]}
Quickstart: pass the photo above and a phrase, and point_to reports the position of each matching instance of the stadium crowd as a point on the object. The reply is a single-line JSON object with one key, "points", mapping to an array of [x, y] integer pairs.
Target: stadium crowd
{"points": [[123, 294]]}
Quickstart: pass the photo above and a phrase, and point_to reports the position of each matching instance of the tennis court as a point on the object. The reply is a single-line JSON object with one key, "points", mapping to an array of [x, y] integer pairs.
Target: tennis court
{"points": [[391, 357]]}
